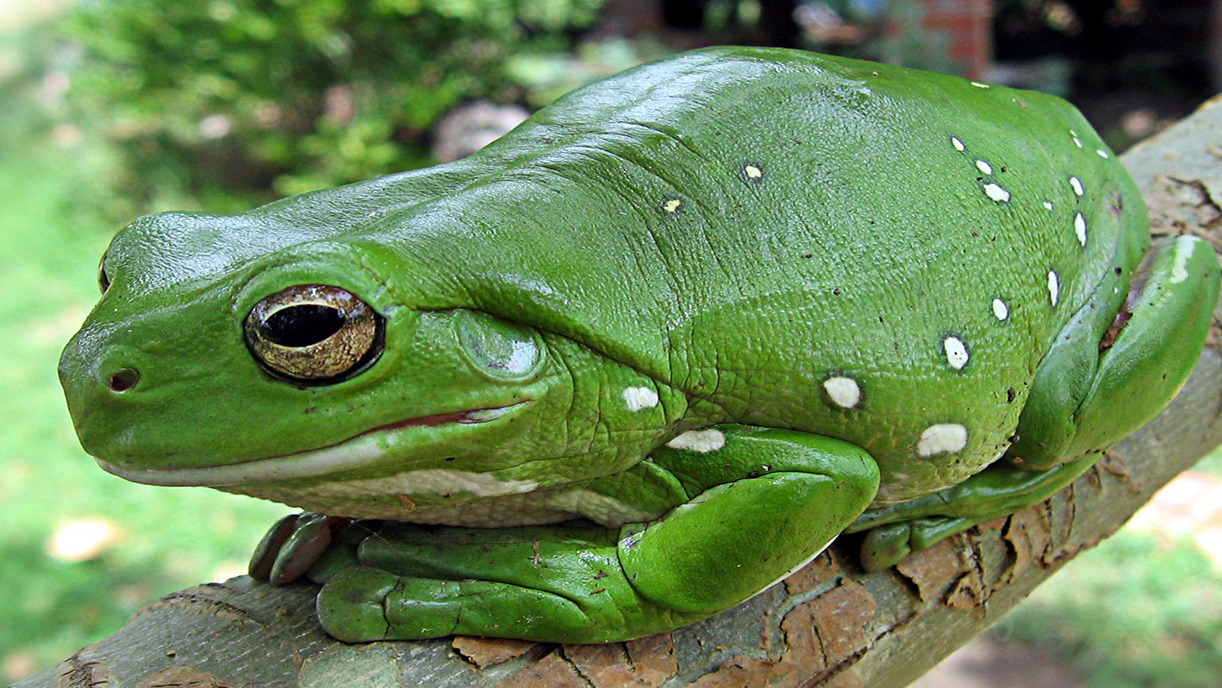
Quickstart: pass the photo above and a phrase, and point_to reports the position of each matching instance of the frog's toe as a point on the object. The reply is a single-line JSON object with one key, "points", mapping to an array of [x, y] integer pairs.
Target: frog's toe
{"points": [[351, 606], [885, 546], [264, 557], [293, 546]]}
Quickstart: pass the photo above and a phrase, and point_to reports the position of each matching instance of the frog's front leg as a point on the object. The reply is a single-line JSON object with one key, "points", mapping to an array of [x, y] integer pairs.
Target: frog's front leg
{"points": [[759, 504], [1112, 369]]}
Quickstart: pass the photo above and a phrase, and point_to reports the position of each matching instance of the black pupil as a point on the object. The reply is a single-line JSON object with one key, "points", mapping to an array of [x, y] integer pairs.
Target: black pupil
{"points": [[299, 326]]}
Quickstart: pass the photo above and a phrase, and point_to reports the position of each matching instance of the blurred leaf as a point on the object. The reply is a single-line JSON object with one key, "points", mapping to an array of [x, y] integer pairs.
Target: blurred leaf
{"points": [[272, 96]]}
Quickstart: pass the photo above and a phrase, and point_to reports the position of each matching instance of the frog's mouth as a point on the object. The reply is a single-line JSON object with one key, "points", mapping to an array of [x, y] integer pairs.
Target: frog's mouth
{"points": [[360, 450]]}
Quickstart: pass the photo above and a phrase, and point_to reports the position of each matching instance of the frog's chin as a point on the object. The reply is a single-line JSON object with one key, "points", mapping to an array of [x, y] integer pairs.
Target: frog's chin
{"points": [[359, 451]]}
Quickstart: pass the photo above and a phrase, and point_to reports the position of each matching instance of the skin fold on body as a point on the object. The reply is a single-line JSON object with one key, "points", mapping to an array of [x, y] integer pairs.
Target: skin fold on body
{"points": [[654, 349]]}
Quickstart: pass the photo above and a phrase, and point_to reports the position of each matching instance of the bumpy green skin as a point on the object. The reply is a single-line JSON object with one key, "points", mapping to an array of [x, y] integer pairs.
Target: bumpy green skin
{"points": [[721, 307]]}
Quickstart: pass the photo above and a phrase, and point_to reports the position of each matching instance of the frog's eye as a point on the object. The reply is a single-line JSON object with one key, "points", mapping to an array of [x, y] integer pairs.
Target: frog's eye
{"points": [[103, 278], [314, 334]]}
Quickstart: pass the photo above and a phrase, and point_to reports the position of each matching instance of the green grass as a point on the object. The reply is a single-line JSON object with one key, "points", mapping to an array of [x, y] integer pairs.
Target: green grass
{"points": [[170, 538], [1138, 611]]}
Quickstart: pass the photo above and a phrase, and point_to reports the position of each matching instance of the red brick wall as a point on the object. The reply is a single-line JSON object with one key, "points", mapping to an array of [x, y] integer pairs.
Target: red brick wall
{"points": [[967, 26]]}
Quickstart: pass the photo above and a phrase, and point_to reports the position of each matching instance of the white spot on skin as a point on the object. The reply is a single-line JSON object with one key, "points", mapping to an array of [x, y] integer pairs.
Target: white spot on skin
{"points": [[1054, 287], [1076, 141], [956, 352], [843, 391], [957, 144], [1047, 205], [1183, 251], [1102, 153], [1079, 228], [672, 205], [702, 441], [752, 171], [638, 398], [977, 84], [943, 438], [1077, 186], [1000, 310], [996, 193], [984, 167]]}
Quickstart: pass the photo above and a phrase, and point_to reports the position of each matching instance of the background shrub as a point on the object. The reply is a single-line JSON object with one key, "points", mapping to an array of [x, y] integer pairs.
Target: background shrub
{"points": [[278, 97]]}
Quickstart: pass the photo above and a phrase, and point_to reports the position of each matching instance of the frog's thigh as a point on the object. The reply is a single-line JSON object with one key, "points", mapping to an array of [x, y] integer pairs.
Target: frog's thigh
{"points": [[1156, 351], [766, 501], [1082, 400]]}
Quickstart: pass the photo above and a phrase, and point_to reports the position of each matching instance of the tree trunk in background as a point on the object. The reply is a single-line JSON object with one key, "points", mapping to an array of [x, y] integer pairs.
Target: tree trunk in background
{"points": [[827, 625]]}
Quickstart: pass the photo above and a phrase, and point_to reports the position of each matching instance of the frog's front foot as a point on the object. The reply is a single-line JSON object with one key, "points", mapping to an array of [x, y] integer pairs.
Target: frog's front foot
{"points": [[389, 580], [535, 583], [757, 504]]}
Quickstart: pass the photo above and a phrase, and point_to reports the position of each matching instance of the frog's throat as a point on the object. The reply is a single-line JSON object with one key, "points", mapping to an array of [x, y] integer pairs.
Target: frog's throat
{"points": [[364, 449]]}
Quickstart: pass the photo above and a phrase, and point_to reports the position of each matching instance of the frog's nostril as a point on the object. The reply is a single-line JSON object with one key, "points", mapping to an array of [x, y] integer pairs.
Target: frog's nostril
{"points": [[124, 379]]}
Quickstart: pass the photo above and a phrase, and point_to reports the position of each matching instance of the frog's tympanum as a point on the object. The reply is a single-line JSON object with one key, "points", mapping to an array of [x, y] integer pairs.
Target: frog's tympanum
{"points": [[654, 349]]}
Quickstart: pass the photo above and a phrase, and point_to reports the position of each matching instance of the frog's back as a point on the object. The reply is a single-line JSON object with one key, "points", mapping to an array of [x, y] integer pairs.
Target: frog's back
{"points": [[862, 251]]}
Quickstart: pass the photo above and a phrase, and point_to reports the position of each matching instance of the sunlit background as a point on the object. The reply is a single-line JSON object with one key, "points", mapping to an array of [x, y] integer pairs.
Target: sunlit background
{"points": [[114, 108]]}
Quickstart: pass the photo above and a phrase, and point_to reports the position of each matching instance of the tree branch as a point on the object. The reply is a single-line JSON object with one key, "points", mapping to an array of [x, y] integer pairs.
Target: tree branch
{"points": [[828, 625]]}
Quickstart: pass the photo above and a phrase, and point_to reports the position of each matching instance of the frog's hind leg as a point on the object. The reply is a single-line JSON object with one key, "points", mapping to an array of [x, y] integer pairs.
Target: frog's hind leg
{"points": [[1105, 376]]}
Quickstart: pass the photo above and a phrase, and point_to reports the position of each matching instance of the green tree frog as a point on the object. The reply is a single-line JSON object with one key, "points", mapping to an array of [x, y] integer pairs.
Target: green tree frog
{"points": [[654, 349]]}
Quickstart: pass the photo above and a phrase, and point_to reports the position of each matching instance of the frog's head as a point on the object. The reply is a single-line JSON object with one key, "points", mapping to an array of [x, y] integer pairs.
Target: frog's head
{"points": [[226, 351]]}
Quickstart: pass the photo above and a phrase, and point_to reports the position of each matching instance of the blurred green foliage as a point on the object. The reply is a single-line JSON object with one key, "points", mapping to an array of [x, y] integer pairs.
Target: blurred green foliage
{"points": [[1141, 610], [285, 96]]}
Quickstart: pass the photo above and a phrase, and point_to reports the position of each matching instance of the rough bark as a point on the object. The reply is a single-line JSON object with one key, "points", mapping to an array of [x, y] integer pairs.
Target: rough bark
{"points": [[828, 625]]}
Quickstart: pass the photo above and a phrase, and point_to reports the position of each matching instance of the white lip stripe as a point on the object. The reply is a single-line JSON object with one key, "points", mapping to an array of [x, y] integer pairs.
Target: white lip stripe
{"points": [[357, 452], [354, 453]]}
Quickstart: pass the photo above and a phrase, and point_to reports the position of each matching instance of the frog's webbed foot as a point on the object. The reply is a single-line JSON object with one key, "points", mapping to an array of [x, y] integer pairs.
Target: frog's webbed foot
{"points": [[750, 505], [297, 544], [1001, 489]]}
